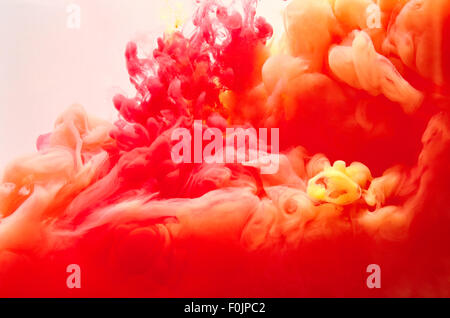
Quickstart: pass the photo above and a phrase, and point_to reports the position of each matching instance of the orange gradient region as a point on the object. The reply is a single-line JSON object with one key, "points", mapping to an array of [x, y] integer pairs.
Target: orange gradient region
{"points": [[351, 101]]}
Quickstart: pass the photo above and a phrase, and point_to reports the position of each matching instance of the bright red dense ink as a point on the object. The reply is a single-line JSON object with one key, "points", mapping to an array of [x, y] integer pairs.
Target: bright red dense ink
{"points": [[110, 199]]}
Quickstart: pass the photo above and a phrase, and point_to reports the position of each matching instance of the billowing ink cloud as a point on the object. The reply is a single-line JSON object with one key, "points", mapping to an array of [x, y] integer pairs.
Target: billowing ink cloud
{"points": [[359, 92]]}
